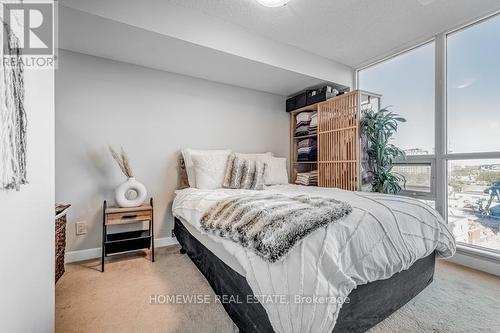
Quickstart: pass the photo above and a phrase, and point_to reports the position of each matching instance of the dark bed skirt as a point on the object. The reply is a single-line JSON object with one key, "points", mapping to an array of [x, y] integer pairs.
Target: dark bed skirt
{"points": [[369, 304]]}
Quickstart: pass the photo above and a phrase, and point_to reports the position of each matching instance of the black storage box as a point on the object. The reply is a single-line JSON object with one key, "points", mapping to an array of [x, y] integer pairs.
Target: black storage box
{"points": [[296, 102], [321, 95], [311, 97], [290, 104]]}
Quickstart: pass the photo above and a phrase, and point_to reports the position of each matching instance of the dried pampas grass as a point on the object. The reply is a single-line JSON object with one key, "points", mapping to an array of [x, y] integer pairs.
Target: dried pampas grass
{"points": [[122, 161]]}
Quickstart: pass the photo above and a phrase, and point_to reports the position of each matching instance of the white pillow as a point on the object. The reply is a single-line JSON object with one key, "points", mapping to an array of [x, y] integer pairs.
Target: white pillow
{"points": [[209, 170], [188, 161], [258, 156], [276, 171]]}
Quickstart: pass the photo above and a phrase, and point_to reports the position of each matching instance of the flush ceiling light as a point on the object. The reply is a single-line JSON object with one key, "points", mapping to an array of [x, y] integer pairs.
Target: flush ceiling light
{"points": [[273, 3]]}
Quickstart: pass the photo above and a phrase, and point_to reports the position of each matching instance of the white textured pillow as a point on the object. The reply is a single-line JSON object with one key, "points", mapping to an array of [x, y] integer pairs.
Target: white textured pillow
{"points": [[209, 170], [258, 156], [276, 171], [188, 161]]}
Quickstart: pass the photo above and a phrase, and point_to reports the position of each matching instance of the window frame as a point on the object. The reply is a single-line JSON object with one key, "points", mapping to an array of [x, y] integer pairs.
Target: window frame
{"points": [[439, 160]]}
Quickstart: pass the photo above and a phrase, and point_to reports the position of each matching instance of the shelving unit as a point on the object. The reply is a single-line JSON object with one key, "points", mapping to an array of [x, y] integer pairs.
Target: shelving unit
{"points": [[340, 157], [310, 165]]}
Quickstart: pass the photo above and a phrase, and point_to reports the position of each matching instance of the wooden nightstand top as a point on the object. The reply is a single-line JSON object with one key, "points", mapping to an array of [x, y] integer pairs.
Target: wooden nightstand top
{"points": [[113, 210]]}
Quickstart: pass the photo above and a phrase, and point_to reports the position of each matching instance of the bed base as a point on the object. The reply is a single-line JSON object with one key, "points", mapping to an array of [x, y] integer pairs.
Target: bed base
{"points": [[369, 304]]}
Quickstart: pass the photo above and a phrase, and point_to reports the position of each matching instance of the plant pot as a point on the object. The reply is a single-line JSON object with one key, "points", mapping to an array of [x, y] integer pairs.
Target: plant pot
{"points": [[130, 193]]}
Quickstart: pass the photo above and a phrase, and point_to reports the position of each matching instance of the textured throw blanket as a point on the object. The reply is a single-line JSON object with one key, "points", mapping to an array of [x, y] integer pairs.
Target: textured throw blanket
{"points": [[271, 224]]}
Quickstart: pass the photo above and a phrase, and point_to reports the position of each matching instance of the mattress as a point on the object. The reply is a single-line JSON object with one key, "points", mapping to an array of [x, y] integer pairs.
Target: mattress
{"points": [[214, 247], [369, 304]]}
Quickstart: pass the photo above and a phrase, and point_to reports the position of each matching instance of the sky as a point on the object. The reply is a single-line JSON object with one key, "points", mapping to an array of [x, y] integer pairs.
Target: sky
{"points": [[473, 87]]}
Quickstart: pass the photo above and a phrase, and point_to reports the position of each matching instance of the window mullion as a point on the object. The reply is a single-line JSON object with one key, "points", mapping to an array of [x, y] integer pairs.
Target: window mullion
{"points": [[440, 126]]}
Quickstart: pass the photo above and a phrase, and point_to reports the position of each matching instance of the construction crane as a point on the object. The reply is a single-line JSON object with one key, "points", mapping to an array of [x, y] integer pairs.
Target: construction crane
{"points": [[494, 192]]}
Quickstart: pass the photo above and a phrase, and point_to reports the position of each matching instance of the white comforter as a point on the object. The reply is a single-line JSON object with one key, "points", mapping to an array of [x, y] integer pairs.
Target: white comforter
{"points": [[382, 236]]}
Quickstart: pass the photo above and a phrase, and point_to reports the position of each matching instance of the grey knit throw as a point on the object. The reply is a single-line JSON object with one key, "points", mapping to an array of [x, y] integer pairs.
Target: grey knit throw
{"points": [[271, 224]]}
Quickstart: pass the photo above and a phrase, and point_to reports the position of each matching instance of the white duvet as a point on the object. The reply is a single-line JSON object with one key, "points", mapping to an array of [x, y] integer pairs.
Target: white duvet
{"points": [[382, 236]]}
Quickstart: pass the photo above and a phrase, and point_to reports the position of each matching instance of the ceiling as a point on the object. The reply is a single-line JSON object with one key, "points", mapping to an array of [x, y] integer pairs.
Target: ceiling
{"points": [[240, 42], [98, 36], [352, 32]]}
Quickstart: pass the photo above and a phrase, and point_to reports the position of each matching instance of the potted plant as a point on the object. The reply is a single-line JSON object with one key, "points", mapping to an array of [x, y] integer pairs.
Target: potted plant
{"points": [[378, 127]]}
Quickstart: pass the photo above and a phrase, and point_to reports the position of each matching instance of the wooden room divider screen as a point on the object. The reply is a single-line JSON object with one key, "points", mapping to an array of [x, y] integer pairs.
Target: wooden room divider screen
{"points": [[338, 139], [338, 142]]}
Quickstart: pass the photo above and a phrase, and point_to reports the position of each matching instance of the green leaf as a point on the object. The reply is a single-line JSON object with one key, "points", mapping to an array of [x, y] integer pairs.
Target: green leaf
{"points": [[379, 127]]}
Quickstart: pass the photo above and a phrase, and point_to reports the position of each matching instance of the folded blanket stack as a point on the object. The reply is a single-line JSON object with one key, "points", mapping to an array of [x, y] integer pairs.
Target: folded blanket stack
{"points": [[307, 123], [307, 150], [307, 178], [313, 125], [309, 142]]}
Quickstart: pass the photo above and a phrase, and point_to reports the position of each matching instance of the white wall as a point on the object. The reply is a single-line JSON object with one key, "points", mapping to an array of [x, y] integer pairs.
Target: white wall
{"points": [[27, 216], [152, 114]]}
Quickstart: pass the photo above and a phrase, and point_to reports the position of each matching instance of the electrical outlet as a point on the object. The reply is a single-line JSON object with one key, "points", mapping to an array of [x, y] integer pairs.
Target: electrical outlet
{"points": [[81, 228]]}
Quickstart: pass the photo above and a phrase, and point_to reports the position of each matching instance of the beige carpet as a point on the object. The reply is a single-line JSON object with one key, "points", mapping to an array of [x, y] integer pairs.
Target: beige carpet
{"points": [[459, 299]]}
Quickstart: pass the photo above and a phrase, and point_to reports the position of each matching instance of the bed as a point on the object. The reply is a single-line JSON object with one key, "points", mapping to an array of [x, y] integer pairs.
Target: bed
{"points": [[375, 260]]}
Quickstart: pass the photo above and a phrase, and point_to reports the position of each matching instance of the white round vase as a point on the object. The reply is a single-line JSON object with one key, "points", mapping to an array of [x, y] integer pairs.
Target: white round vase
{"points": [[130, 193]]}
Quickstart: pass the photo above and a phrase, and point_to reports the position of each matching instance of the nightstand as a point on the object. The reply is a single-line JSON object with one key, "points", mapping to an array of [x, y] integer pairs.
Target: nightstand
{"points": [[113, 243]]}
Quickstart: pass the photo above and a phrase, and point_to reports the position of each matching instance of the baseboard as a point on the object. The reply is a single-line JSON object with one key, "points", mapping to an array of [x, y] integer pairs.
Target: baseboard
{"points": [[165, 241], [81, 255], [476, 259]]}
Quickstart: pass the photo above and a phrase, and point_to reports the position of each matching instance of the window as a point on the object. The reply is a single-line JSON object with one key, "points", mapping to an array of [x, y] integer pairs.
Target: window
{"points": [[469, 153], [461, 179], [406, 83], [474, 202], [418, 177], [473, 86], [473, 119]]}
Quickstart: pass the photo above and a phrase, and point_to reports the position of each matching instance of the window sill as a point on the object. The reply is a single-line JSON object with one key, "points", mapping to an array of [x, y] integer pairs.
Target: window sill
{"points": [[478, 259], [480, 253]]}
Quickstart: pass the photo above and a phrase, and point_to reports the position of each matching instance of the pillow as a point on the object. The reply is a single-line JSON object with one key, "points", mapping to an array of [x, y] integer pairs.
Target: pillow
{"points": [[276, 171], [183, 177], [188, 153], [209, 170], [244, 173], [257, 156]]}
